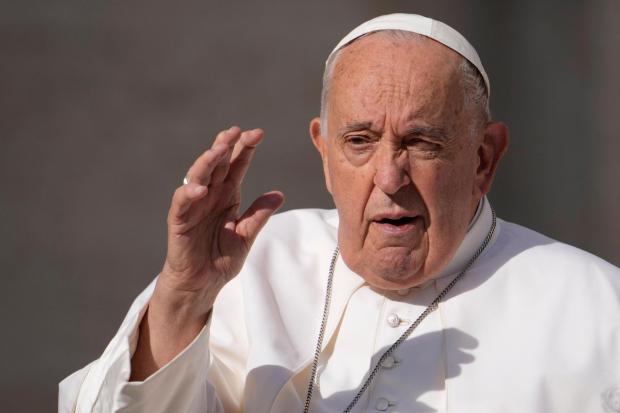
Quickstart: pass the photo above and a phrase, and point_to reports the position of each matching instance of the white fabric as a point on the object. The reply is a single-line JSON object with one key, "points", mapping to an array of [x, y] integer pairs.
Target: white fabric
{"points": [[533, 327], [425, 26]]}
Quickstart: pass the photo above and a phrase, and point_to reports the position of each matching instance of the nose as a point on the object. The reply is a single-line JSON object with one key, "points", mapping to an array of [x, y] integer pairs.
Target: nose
{"points": [[392, 170]]}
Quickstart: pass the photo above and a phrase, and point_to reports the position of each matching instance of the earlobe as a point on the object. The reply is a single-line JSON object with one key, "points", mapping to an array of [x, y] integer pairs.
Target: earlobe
{"points": [[492, 148], [320, 143]]}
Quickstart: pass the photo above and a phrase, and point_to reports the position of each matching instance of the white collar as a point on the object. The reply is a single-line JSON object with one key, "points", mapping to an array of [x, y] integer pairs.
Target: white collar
{"points": [[478, 229]]}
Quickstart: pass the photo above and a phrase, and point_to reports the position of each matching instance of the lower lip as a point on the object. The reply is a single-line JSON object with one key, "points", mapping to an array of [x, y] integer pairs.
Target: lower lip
{"points": [[400, 229]]}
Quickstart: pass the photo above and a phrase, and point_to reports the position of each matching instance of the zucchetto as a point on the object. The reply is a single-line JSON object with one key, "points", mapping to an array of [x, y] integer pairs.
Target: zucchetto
{"points": [[425, 26]]}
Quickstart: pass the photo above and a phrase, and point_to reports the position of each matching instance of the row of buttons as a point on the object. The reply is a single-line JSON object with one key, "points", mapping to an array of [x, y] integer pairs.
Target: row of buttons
{"points": [[382, 403], [393, 320]]}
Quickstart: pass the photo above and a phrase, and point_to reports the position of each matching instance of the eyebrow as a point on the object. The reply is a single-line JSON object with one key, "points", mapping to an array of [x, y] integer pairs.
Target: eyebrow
{"points": [[353, 126], [431, 131]]}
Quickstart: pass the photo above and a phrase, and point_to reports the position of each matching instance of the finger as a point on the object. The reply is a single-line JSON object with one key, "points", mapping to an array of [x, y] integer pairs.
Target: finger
{"points": [[202, 169], [184, 197], [230, 139], [242, 155], [255, 217], [226, 135]]}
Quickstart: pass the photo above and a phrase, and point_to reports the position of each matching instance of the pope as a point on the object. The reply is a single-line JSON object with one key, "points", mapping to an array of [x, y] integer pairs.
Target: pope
{"points": [[410, 296]]}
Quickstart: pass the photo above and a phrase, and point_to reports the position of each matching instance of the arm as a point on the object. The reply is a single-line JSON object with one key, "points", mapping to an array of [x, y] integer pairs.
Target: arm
{"points": [[208, 241]]}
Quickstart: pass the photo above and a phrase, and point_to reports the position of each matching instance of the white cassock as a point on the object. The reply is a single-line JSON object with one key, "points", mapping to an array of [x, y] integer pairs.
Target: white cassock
{"points": [[533, 327]]}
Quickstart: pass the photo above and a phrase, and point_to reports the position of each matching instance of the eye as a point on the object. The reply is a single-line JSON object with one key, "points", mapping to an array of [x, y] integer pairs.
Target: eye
{"points": [[358, 145], [357, 140], [421, 143]]}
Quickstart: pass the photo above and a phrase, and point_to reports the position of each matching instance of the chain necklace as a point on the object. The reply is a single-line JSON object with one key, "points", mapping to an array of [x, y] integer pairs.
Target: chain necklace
{"points": [[431, 307]]}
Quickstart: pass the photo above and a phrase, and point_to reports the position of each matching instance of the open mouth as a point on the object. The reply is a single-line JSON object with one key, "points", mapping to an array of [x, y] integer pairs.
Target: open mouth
{"points": [[398, 222]]}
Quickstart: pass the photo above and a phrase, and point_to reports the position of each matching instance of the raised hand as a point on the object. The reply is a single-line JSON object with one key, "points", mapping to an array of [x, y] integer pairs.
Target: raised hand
{"points": [[207, 238], [208, 241]]}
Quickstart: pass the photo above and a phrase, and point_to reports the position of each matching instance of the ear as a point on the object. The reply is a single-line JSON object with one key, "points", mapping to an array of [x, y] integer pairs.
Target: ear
{"points": [[492, 148], [320, 143]]}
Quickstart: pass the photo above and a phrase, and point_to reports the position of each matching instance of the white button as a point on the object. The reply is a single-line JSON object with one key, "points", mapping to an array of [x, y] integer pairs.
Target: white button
{"points": [[382, 404], [393, 320], [403, 292], [388, 363]]}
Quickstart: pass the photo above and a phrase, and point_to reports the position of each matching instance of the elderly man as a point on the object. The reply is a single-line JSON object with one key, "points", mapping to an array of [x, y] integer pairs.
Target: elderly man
{"points": [[410, 297]]}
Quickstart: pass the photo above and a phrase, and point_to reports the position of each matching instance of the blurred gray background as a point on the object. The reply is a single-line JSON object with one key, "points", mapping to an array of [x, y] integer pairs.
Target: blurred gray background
{"points": [[104, 105]]}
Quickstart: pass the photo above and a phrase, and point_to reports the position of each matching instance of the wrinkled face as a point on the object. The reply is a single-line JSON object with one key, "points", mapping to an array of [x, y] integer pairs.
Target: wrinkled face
{"points": [[400, 159]]}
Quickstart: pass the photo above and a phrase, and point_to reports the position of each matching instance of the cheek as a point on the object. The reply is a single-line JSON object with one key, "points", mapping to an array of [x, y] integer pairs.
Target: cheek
{"points": [[447, 190], [344, 177], [351, 187]]}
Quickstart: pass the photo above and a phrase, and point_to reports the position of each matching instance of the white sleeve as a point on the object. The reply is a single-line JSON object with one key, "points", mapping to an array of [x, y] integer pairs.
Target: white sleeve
{"points": [[179, 386]]}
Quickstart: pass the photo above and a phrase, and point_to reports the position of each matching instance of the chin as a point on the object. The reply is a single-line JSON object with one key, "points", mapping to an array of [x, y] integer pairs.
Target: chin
{"points": [[394, 283], [393, 272]]}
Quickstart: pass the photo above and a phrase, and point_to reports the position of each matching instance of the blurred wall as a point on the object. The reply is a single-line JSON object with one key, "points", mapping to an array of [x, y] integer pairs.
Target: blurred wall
{"points": [[104, 105]]}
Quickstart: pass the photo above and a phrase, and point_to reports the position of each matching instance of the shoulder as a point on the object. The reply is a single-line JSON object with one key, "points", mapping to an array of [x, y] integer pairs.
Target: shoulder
{"points": [[528, 244], [282, 280], [300, 225], [292, 248], [537, 260], [294, 233], [284, 267], [551, 306]]}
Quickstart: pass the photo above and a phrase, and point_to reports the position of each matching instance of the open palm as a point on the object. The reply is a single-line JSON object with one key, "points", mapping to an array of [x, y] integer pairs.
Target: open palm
{"points": [[208, 239]]}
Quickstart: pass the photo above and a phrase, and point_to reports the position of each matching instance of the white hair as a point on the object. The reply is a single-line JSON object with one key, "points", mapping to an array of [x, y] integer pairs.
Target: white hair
{"points": [[475, 95]]}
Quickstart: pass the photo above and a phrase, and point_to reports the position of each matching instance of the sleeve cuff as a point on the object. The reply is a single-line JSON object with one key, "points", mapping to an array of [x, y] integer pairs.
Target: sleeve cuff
{"points": [[180, 385]]}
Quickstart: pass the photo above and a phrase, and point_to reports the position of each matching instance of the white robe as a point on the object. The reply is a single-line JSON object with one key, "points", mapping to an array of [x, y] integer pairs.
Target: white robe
{"points": [[534, 326]]}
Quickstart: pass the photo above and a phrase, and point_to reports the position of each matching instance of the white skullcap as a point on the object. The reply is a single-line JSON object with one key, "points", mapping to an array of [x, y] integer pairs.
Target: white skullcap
{"points": [[425, 26]]}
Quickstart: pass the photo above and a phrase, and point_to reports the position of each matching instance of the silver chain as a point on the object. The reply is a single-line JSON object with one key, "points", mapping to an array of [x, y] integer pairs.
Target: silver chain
{"points": [[431, 307], [319, 341]]}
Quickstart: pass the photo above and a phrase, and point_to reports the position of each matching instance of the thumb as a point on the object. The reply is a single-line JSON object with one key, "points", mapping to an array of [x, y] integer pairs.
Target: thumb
{"points": [[256, 216]]}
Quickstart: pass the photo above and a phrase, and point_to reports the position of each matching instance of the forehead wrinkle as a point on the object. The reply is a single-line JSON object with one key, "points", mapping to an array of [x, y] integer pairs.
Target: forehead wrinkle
{"points": [[407, 109], [389, 79]]}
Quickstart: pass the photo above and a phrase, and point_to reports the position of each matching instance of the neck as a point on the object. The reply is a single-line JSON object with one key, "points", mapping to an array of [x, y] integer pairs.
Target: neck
{"points": [[477, 231]]}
